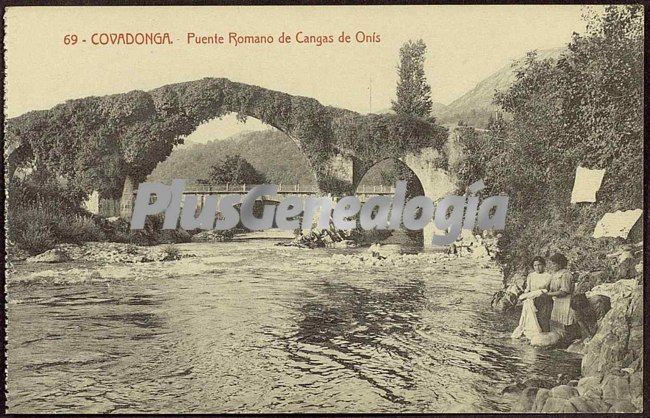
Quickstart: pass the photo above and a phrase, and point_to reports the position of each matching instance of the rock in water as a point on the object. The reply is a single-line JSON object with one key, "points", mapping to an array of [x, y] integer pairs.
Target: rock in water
{"points": [[385, 250], [526, 399]]}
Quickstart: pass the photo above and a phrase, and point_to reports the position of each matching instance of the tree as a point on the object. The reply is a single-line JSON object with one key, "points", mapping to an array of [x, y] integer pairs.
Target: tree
{"points": [[234, 169], [413, 99], [583, 108], [413, 91]]}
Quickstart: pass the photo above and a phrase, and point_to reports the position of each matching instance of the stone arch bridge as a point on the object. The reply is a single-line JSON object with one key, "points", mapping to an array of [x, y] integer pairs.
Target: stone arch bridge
{"points": [[113, 142]]}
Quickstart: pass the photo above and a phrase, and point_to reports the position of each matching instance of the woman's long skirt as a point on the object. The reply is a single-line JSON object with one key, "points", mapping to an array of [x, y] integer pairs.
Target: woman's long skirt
{"points": [[528, 325], [562, 314]]}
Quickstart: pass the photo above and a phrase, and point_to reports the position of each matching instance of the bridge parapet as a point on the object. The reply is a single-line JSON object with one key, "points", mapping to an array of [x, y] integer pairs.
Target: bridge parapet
{"points": [[203, 190], [299, 189]]}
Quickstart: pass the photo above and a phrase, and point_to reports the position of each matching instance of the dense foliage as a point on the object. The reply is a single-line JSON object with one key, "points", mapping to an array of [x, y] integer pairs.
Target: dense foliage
{"points": [[413, 90], [234, 169], [584, 108], [94, 143], [46, 213]]}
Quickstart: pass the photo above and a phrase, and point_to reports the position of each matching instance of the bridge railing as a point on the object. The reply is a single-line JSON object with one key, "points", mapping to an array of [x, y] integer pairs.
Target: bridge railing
{"points": [[379, 189], [240, 188], [205, 188]]}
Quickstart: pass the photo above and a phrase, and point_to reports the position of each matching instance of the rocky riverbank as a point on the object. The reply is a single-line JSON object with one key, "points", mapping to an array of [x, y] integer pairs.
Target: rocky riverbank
{"points": [[612, 365], [397, 256], [108, 252]]}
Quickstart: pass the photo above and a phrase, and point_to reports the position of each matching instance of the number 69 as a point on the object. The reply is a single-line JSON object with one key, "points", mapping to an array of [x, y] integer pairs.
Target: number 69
{"points": [[70, 39]]}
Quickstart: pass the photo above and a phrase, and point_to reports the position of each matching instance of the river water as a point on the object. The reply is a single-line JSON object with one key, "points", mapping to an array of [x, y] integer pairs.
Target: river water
{"points": [[251, 327]]}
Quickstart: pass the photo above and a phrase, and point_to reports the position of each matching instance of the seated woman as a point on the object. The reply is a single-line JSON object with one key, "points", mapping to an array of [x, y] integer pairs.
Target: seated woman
{"points": [[561, 289], [535, 312]]}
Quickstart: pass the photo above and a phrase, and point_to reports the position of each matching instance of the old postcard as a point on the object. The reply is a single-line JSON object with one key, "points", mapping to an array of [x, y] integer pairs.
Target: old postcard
{"points": [[324, 209]]}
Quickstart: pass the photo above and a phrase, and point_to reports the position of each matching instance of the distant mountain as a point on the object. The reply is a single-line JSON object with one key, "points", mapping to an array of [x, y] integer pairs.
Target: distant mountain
{"points": [[438, 108], [475, 106]]}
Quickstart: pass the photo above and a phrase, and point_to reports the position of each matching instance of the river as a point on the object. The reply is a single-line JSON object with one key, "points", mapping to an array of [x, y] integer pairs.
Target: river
{"points": [[247, 326]]}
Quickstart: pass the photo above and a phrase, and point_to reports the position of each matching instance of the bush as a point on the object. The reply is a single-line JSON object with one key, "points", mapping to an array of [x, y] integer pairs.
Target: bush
{"points": [[40, 228], [34, 238], [41, 213], [152, 233], [85, 229], [171, 252], [35, 230]]}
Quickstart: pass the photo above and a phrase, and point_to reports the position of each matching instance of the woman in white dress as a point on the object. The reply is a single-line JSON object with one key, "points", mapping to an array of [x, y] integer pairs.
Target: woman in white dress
{"points": [[536, 285]]}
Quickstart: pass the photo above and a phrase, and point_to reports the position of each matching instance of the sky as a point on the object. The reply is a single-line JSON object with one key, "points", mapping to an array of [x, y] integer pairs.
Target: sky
{"points": [[465, 44]]}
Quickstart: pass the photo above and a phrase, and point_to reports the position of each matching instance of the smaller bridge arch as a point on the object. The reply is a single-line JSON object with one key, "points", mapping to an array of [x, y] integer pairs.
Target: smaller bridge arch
{"points": [[435, 182]]}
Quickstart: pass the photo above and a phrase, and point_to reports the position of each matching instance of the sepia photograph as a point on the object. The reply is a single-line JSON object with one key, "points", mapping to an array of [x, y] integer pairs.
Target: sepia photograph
{"points": [[324, 209]]}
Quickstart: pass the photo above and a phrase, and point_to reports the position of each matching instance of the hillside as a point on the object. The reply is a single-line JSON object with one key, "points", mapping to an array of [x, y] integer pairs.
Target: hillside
{"points": [[475, 106], [271, 152]]}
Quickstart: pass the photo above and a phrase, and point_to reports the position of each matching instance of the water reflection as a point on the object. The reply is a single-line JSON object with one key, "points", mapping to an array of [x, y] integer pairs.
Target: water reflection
{"points": [[354, 327], [253, 330]]}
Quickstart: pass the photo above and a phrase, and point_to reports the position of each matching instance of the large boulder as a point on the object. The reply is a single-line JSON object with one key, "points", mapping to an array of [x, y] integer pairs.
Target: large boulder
{"points": [[616, 388], [564, 392], [623, 406], [619, 340], [626, 268], [621, 289], [558, 406], [636, 384], [587, 281], [584, 405], [590, 387], [526, 400], [540, 400], [588, 310]]}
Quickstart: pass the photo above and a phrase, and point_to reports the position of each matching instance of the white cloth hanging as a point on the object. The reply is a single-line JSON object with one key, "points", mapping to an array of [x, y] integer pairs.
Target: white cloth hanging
{"points": [[617, 224], [586, 184]]}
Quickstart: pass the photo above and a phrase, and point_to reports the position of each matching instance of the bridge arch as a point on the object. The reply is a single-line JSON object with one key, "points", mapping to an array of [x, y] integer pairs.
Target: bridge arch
{"points": [[429, 177], [125, 135]]}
